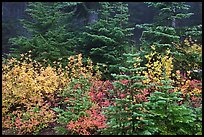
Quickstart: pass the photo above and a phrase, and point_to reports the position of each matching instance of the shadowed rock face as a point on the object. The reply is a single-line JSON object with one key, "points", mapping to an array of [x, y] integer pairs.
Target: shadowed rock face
{"points": [[93, 17], [13, 10], [11, 27]]}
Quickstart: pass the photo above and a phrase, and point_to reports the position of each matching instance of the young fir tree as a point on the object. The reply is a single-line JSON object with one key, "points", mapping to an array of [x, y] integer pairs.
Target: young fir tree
{"points": [[105, 40], [165, 116], [50, 39], [126, 116], [78, 101]]}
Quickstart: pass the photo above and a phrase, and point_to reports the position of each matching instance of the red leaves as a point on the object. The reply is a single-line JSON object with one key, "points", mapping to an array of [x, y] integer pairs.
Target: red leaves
{"points": [[18, 122], [125, 82], [77, 86], [87, 125], [84, 125], [195, 84], [100, 95], [122, 95], [99, 92], [192, 88], [92, 95], [106, 103], [143, 96]]}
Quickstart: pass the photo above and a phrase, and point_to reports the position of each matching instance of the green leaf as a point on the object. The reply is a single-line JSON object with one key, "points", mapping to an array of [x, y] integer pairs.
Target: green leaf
{"points": [[57, 109]]}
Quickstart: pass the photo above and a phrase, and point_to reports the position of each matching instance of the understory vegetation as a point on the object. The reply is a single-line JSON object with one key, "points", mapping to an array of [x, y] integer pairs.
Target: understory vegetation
{"points": [[95, 81]]}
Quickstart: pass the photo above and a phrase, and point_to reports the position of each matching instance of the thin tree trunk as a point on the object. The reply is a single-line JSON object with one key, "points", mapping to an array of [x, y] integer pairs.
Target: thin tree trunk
{"points": [[174, 20]]}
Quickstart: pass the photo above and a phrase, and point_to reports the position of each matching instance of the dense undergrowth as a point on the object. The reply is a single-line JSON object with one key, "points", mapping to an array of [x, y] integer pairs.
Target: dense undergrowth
{"points": [[142, 100], [93, 80]]}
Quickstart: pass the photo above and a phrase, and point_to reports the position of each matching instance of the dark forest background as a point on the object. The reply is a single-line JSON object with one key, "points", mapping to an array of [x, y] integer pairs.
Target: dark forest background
{"points": [[139, 13]]}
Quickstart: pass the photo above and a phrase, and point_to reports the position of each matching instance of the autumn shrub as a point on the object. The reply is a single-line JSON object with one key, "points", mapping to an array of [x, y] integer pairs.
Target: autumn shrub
{"points": [[87, 125], [28, 85], [191, 89], [189, 57], [75, 103], [24, 79], [77, 114], [178, 67], [30, 121], [78, 68], [156, 64], [100, 93], [163, 110]]}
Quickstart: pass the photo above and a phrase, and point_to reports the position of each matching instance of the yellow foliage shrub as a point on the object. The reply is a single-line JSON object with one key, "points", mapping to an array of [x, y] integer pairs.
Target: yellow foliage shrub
{"points": [[27, 85], [192, 55], [76, 68], [23, 81], [187, 86], [192, 47], [159, 67]]}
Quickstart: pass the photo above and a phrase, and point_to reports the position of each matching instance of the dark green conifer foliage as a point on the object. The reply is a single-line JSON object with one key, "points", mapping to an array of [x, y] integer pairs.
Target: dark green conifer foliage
{"points": [[49, 39], [126, 116], [106, 40], [171, 12], [166, 117], [165, 31]]}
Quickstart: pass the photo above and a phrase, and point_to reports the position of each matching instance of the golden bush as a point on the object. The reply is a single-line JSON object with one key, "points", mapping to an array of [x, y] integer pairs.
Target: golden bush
{"points": [[27, 84], [159, 67]]}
